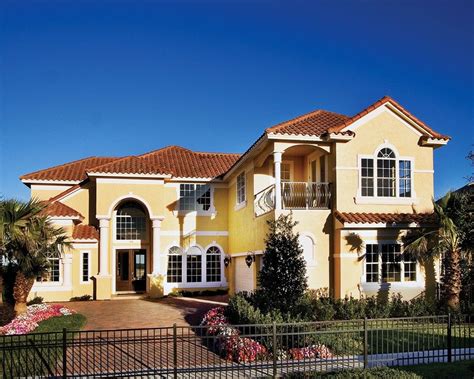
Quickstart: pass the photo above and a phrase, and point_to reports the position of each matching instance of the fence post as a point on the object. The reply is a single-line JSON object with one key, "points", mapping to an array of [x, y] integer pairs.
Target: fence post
{"points": [[366, 343], [450, 341], [64, 353], [275, 351], [175, 351]]}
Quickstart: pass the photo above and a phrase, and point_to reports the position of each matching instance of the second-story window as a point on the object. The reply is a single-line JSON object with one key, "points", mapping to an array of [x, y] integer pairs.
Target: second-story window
{"points": [[241, 188], [385, 175], [194, 197], [130, 222]]}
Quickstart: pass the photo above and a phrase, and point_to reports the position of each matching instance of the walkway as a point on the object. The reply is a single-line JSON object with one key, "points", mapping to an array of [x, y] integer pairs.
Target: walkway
{"points": [[144, 313]]}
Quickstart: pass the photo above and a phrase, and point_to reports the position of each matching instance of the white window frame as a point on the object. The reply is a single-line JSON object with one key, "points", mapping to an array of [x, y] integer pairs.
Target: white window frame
{"points": [[210, 212], [375, 199], [291, 166], [203, 283], [81, 267], [419, 282], [313, 261], [183, 262], [240, 203], [125, 242]]}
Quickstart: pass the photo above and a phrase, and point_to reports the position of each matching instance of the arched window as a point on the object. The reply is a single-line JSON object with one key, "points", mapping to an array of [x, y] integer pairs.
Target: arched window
{"points": [[194, 265], [175, 265], [130, 222], [307, 244], [54, 268], [213, 264], [386, 173]]}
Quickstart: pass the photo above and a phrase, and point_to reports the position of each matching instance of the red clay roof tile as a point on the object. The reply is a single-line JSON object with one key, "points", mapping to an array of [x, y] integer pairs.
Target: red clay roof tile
{"points": [[72, 171], [85, 232], [386, 218], [314, 123], [57, 209]]}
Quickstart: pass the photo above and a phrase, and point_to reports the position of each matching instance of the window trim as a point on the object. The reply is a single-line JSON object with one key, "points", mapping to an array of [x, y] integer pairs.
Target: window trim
{"points": [[243, 203], [81, 267], [419, 282], [203, 253], [375, 199], [113, 225], [212, 209]]}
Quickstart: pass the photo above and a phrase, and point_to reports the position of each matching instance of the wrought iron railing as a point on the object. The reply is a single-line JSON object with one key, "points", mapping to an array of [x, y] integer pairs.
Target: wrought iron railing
{"points": [[264, 201], [305, 195], [263, 350]]}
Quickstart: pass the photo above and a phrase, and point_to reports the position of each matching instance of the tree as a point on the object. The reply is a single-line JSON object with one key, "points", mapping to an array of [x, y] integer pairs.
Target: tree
{"points": [[26, 237], [443, 241], [282, 280]]}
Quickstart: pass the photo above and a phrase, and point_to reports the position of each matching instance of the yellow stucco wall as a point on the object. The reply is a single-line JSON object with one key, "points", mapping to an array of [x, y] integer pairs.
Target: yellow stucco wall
{"points": [[385, 128], [43, 191]]}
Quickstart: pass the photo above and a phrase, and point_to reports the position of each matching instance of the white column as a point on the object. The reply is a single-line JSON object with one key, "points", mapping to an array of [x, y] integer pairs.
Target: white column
{"points": [[156, 224], [104, 246], [67, 270], [277, 162]]}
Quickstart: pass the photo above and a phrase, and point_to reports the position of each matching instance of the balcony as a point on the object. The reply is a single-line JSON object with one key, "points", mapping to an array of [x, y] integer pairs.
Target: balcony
{"points": [[294, 196]]}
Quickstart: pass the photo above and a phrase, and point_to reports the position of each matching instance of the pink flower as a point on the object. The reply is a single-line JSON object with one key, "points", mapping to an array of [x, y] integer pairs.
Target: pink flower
{"points": [[27, 322]]}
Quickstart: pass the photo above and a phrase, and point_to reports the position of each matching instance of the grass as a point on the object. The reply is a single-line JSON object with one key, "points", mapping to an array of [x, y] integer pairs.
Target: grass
{"points": [[458, 370], [57, 324], [22, 359]]}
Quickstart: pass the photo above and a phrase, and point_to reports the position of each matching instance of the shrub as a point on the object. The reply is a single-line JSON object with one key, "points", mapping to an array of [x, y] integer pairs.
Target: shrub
{"points": [[81, 298], [282, 280], [371, 373], [342, 343], [35, 300]]}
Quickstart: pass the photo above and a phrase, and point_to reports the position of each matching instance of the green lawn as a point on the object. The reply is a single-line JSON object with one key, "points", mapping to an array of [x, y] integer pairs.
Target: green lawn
{"points": [[32, 354], [458, 370]]}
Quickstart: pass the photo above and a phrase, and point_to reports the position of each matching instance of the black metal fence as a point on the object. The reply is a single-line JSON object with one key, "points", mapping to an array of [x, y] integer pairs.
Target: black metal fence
{"points": [[257, 351]]}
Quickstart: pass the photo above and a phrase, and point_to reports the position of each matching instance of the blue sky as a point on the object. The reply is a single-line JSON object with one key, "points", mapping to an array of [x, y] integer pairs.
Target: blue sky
{"points": [[83, 78]]}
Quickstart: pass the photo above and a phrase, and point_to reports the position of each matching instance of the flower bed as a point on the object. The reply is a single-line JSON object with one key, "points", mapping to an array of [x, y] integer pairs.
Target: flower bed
{"points": [[235, 348], [27, 322]]}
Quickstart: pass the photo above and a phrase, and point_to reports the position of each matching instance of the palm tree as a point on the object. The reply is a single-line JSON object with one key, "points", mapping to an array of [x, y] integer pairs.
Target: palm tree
{"points": [[26, 237], [444, 242]]}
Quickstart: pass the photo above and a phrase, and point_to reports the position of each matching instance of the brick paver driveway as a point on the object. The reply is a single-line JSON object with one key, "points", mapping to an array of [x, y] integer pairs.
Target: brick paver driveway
{"points": [[143, 313]]}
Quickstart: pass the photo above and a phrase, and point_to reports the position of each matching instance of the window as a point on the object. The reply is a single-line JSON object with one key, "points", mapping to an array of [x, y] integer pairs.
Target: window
{"points": [[386, 173], [241, 188], [194, 197], [85, 264], [54, 270], [385, 263], [372, 264], [404, 178], [130, 222], [175, 265], [285, 173], [213, 264], [367, 175], [322, 168], [194, 265], [307, 245], [385, 176]]}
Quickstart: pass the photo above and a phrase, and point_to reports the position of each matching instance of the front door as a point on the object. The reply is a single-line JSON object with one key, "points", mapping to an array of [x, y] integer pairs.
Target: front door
{"points": [[131, 270]]}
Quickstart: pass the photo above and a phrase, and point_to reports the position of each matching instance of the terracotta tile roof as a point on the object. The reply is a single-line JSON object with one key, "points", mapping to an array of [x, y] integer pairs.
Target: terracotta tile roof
{"points": [[85, 232], [428, 132], [386, 218], [315, 123], [172, 160], [58, 209], [72, 171]]}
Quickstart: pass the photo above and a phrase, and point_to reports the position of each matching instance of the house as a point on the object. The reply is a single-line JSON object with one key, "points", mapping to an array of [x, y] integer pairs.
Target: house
{"points": [[175, 219]]}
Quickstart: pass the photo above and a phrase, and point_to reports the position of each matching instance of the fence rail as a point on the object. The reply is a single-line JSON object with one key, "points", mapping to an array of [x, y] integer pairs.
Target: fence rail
{"points": [[209, 351]]}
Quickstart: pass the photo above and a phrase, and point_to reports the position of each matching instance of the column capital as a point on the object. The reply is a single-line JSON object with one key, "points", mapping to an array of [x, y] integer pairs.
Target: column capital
{"points": [[104, 222], [156, 223], [277, 155]]}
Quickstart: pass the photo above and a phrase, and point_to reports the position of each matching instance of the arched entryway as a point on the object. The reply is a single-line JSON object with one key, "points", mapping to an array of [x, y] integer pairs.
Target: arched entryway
{"points": [[131, 241]]}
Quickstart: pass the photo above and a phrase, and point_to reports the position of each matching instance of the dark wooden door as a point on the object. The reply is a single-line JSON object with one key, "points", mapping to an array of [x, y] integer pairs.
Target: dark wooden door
{"points": [[131, 270]]}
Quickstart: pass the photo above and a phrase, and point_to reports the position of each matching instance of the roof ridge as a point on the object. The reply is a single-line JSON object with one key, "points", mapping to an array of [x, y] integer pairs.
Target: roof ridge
{"points": [[66, 164], [163, 149], [300, 118], [109, 163], [378, 103]]}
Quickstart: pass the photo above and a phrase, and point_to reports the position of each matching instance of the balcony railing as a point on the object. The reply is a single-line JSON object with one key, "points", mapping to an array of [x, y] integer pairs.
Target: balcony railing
{"points": [[303, 195], [294, 195], [264, 201]]}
